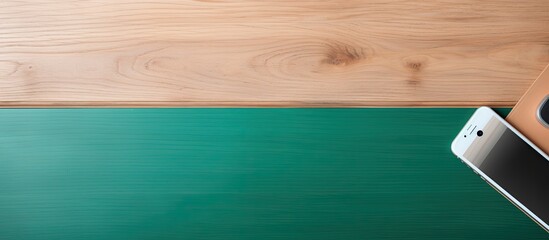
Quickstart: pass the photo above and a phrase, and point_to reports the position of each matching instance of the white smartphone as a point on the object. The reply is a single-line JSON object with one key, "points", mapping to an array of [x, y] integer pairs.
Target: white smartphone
{"points": [[506, 160]]}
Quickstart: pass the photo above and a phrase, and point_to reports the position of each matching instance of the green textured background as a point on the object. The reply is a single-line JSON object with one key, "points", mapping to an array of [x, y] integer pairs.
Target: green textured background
{"points": [[244, 174]]}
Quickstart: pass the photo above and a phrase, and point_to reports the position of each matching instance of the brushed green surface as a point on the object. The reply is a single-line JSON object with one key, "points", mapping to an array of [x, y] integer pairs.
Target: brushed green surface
{"points": [[244, 174]]}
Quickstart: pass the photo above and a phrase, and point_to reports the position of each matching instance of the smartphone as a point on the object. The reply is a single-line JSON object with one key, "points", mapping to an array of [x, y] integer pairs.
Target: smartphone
{"points": [[531, 114], [507, 161]]}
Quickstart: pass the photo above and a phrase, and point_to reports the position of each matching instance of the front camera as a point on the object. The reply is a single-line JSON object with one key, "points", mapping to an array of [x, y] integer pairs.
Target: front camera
{"points": [[480, 133]]}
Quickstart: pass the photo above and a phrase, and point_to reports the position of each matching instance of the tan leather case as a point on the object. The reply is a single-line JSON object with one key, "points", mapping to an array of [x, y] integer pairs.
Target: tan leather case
{"points": [[524, 115]]}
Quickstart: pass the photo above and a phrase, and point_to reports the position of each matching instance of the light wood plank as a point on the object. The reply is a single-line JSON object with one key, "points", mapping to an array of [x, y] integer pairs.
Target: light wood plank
{"points": [[270, 53]]}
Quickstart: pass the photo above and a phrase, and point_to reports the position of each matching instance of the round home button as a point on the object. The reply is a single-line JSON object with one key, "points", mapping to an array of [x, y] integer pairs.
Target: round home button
{"points": [[543, 112]]}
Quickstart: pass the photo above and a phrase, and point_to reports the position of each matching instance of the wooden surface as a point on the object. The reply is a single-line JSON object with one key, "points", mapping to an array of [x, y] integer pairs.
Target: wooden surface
{"points": [[270, 53], [244, 174]]}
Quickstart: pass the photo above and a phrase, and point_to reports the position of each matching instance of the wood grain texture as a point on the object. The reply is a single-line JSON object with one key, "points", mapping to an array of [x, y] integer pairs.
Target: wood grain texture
{"points": [[270, 53], [244, 174]]}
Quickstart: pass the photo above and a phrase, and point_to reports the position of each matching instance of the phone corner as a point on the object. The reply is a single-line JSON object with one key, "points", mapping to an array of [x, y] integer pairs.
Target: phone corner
{"points": [[485, 109], [454, 148]]}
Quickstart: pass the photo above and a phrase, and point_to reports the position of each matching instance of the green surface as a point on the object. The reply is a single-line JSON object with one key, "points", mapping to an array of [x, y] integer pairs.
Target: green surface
{"points": [[244, 174]]}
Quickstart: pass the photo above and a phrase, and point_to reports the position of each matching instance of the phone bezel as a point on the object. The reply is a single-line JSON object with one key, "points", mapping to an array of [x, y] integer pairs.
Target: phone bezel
{"points": [[460, 144]]}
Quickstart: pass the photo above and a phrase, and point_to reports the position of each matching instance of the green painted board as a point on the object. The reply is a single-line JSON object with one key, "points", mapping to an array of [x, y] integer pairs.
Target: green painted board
{"points": [[244, 174]]}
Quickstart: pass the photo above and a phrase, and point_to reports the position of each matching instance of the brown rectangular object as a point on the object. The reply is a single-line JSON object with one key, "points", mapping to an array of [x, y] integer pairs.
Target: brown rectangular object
{"points": [[524, 115], [270, 53]]}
